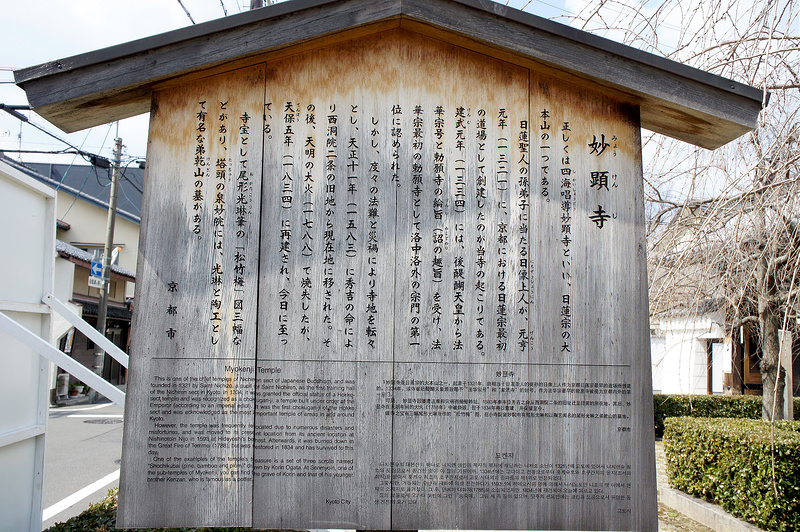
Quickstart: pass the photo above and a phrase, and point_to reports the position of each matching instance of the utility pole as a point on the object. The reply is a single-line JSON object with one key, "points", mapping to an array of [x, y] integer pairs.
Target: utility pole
{"points": [[99, 354]]}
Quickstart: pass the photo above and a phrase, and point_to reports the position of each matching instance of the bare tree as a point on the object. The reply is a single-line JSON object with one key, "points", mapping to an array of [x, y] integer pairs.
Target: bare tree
{"points": [[723, 225]]}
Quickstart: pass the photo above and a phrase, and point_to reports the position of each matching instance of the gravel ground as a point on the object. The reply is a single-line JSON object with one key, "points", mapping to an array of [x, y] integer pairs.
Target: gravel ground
{"points": [[670, 520]]}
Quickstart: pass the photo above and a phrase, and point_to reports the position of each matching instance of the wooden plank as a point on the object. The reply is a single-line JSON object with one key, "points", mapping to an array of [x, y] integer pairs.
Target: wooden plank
{"points": [[57, 357], [164, 39], [589, 202], [676, 100], [448, 324], [93, 334], [477, 400], [474, 297], [326, 314], [188, 435]]}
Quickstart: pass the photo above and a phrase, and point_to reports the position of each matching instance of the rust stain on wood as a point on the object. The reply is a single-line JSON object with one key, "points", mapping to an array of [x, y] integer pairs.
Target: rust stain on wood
{"points": [[384, 63]]}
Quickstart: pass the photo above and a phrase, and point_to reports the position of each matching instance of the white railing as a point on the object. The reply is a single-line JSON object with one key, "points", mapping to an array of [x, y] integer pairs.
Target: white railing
{"points": [[91, 333], [61, 359]]}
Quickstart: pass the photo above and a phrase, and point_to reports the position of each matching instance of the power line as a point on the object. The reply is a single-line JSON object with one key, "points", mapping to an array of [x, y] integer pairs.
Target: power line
{"points": [[98, 161], [187, 12], [65, 151], [97, 177], [13, 110], [72, 162]]}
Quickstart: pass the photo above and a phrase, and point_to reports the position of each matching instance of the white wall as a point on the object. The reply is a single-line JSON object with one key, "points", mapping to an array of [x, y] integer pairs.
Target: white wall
{"points": [[62, 290], [658, 351], [722, 362], [680, 358], [88, 226], [27, 238]]}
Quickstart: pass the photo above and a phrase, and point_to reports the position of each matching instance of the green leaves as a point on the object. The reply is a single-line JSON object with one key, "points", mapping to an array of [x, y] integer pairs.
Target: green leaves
{"points": [[102, 517], [730, 462], [735, 406]]}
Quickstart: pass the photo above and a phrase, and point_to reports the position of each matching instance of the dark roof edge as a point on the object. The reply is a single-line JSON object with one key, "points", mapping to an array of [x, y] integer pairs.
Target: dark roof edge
{"points": [[144, 44], [113, 311], [49, 181], [616, 48], [285, 8], [68, 250]]}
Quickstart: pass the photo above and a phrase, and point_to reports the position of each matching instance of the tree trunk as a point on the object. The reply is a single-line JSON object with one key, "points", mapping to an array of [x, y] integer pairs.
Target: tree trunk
{"points": [[769, 323]]}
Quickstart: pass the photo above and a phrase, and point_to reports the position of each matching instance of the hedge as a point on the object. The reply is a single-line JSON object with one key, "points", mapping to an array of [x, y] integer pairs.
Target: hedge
{"points": [[102, 517], [729, 462], [736, 406]]}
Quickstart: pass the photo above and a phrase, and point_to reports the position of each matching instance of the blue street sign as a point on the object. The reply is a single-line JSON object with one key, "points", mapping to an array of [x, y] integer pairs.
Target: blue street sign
{"points": [[97, 268]]}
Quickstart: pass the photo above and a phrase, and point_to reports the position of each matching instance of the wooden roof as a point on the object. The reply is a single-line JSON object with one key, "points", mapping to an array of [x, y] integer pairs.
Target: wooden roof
{"points": [[117, 82]]}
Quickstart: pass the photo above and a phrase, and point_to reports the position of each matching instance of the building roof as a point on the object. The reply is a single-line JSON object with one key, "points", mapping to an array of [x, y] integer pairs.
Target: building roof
{"points": [[90, 183], [105, 85], [112, 311], [84, 258]]}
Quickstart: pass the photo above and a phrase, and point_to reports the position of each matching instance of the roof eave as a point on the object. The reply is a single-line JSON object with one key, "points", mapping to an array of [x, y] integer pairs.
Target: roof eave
{"points": [[677, 100]]}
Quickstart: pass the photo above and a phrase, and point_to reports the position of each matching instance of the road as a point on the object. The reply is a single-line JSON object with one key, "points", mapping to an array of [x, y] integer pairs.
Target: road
{"points": [[83, 449]]}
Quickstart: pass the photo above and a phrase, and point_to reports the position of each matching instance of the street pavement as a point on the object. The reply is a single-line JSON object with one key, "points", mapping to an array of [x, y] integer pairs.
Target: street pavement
{"points": [[83, 449]]}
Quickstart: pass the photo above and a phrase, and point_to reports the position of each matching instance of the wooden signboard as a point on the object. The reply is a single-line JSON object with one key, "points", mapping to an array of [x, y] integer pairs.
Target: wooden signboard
{"points": [[391, 284]]}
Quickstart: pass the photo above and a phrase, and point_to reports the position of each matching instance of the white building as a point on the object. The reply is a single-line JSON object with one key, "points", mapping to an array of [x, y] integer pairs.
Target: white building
{"points": [[691, 356]]}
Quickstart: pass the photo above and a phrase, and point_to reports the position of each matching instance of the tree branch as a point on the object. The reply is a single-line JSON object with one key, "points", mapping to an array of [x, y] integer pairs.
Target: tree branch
{"points": [[744, 321], [783, 87]]}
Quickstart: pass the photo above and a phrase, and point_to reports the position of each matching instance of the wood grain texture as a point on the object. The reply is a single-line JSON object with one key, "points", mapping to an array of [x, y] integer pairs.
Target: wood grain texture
{"points": [[483, 405], [601, 271], [676, 100], [450, 300], [190, 404]]}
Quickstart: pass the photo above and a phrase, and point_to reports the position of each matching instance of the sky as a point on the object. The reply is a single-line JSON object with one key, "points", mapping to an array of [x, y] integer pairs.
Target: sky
{"points": [[37, 32]]}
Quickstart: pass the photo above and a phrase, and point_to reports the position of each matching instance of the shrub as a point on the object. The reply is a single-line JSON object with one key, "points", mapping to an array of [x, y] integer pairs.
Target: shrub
{"points": [[737, 406], [102, 517], [729, 462]]}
